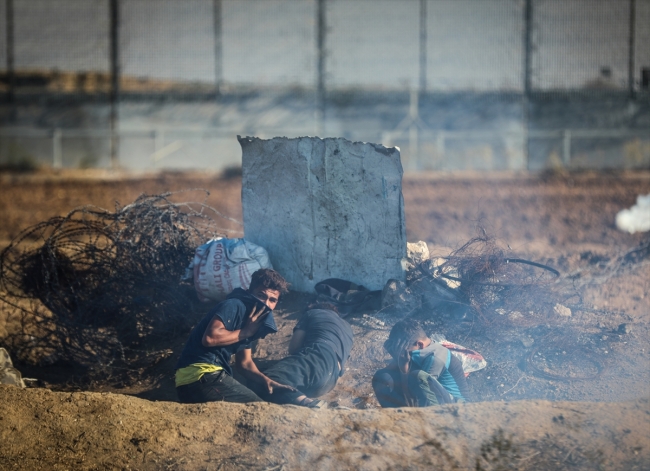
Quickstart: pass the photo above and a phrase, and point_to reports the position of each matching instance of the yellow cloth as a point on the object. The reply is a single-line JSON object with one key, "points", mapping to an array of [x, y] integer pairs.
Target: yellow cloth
{"points": [[194, 372]]}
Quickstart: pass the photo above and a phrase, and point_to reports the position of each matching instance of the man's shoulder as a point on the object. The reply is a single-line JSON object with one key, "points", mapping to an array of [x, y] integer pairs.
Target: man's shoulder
{"points": [[334, 318], [324, 314], [228, 304], [436, 349], [230, 311]]}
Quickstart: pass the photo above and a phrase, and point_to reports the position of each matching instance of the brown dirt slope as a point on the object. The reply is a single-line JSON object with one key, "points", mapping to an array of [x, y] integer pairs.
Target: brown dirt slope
{"points": [[41, 429]]}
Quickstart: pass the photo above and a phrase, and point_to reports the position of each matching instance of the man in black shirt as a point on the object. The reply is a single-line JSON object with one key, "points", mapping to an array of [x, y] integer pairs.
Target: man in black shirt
{"points": [[203, 371], [318, 350]]}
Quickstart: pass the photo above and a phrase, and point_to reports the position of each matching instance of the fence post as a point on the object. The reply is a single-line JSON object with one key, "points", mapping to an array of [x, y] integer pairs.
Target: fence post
{"points": [[321, 29], [57, 149], [631, 48], [217, 9], [158, 139], [423, 45], [11, 76], [566, 147], [440, 148], [115, 80], [528, 23]]}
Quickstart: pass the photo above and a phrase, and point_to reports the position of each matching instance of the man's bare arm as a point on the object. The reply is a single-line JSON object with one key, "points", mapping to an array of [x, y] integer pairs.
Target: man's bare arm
{"points": [[248, 368], [216, 334]]}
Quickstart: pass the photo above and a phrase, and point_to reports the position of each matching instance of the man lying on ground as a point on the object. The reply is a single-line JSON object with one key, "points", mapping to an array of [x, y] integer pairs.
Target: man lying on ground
{"points": [[203, 372], [318, 350], [421, 373]]}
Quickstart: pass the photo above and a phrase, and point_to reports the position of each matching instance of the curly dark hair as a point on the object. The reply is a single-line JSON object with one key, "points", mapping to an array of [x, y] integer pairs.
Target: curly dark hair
{"points": [[269, 279], [403, 334]]}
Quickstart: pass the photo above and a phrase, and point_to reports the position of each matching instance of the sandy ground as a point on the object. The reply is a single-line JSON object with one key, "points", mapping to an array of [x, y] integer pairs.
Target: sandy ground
{"points": [[522, 418], [41, 429]]}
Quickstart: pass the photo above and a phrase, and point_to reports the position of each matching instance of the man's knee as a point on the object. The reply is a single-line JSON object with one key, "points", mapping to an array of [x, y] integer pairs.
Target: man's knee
{"points": [[382, 381], [434, 391]]}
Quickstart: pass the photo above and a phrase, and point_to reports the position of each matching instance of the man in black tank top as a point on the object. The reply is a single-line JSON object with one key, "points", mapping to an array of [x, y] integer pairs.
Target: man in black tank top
{"points": [[318, 350], [203, 371]]}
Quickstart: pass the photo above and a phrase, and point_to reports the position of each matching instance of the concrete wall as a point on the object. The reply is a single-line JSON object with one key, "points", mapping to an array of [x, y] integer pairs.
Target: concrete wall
{"points": [[325, 208]]}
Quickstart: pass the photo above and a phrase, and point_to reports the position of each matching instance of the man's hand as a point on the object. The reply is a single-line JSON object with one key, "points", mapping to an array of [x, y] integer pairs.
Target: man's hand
{"points": [[255, 320], [270, 384], [403, 361], [244, 360]]}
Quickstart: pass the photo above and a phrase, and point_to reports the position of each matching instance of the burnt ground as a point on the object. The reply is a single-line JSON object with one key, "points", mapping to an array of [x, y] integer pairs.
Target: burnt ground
{"points": [[598, 354]]}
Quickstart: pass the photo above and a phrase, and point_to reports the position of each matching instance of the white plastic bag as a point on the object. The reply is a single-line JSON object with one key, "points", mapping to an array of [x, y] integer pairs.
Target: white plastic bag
{"points": [[637, 218], [470, 359], [9, 374], [221, 265]]}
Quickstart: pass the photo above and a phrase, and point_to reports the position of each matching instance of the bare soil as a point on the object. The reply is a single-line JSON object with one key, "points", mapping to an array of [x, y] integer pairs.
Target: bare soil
{"points": [[545, 401]]}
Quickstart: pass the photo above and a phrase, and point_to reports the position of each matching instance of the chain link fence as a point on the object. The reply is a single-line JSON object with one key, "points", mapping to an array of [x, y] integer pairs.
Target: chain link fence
{"points": [[456, 84]]}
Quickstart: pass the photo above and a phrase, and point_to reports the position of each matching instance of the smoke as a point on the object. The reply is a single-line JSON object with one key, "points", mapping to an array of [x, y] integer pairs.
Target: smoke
{"points": [[637, 218]]}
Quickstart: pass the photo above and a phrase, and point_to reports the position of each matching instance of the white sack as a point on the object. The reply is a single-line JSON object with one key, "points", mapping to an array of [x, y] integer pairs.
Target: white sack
{"points": [[9, 374], [221, 265], [637, 218]]}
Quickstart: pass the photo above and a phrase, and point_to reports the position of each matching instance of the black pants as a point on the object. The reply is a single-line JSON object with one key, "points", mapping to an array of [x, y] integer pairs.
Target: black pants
{"points": [[422, 389], [213, 387], [313, 372]]}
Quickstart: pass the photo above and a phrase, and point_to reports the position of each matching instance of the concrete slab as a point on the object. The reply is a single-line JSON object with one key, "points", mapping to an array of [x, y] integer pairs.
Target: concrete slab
{"points": [[325, 208]]}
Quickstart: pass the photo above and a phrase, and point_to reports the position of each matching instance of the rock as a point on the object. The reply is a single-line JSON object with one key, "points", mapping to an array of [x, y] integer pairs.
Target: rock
{"points": [[416, 253], [433, 292], [624, 329], [398, 299], [562, 310], [325, 208], [9, 374], [527, 342]]}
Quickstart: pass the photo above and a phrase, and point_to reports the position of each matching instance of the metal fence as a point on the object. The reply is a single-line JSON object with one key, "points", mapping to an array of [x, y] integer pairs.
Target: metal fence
{"points": [[115, 71]]}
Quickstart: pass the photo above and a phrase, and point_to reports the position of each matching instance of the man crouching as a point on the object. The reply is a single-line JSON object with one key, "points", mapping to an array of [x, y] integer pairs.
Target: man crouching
{"points": [[203, 372], [318, 350], [422, 372]]}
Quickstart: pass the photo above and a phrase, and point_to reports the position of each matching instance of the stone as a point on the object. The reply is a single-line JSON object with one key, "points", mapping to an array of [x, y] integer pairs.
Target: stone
{"points": [[394, 292], [397, 299], [527, 341], [9, 374], [434, 292], [562, 310], [417, 252], [325, 208]]}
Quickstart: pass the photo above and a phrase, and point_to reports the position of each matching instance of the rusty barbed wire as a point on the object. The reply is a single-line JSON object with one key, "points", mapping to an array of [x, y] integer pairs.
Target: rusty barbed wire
{"points": [[499, 287], [102, 289]]}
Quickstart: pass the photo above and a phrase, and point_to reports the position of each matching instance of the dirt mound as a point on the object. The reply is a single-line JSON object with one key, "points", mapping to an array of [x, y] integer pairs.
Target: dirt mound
{"points": [[111, 431]]}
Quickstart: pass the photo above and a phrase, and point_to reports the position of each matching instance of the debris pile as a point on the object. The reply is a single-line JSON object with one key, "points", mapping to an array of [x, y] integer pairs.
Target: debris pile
{"points": [[478, 276], [110, 282]]}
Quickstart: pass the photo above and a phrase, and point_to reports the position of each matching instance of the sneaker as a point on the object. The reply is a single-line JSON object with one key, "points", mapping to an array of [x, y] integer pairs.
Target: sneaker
{"points": [[317, 404], [313, 403]]}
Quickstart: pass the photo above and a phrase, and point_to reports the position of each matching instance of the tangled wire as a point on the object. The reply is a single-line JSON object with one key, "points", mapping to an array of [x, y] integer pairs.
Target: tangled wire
{"points": [[489, 281], [111, 281]]}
